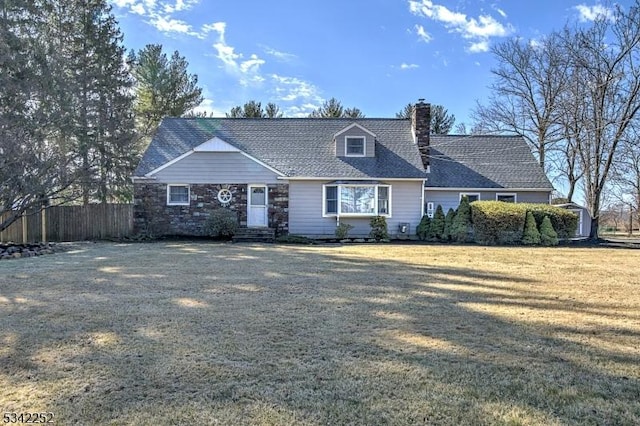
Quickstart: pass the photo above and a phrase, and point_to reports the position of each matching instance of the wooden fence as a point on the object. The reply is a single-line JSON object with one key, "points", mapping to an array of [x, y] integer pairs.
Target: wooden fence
{"points": [[72, 223]]}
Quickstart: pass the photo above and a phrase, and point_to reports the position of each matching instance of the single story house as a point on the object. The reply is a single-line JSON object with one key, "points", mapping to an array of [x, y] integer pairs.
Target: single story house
{"points": [[306, 175]]}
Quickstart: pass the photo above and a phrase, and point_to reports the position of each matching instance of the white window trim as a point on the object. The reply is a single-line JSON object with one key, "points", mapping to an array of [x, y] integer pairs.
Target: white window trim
{"points": [[507, 194], [364, 146], [462, 194], [340, 214], [182, 203]]}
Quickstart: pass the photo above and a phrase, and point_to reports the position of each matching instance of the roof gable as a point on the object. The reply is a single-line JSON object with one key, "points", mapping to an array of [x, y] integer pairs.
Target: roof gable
{"points": [[215, 145], [354, 125]]}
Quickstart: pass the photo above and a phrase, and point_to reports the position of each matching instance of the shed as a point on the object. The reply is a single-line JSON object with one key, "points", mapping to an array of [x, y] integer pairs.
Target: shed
{"points": [[584, 218]]}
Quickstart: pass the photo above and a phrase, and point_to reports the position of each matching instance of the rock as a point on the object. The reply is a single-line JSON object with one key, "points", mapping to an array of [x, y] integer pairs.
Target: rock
{"points": [[16, 255]]}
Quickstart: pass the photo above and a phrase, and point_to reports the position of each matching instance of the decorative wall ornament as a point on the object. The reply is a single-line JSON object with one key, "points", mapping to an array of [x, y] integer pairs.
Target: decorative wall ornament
{"points": [[225, 196]]}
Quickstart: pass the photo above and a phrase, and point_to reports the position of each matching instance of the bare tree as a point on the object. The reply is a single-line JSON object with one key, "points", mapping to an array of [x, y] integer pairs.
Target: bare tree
{"points": [[529, 79], [605, 56]]}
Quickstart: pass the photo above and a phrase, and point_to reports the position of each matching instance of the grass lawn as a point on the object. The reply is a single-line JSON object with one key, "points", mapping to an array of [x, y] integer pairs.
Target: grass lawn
{"points": [[207, 333]]}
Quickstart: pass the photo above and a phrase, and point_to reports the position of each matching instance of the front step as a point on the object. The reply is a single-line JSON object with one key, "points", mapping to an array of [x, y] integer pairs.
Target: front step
{"points": [[254, 235]]}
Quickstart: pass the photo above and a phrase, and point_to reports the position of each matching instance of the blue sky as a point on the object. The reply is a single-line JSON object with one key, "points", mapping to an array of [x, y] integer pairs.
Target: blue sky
{"points": [[376, 55]]}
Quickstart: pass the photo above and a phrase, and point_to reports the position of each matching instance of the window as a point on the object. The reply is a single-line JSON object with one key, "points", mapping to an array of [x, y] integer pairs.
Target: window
{"points": [[471, 196], [430, 209], [507, 198], [357, 200], [178, 195], [331, 199], [354, 146]]}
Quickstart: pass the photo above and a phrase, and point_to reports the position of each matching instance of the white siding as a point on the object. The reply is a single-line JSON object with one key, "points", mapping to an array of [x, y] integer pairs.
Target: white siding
{"points": [[216, 167], [305, 210], [451, 199]]}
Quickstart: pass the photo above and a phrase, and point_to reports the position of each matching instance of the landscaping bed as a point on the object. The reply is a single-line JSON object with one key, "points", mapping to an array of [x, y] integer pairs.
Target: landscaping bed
{"points": [[17, 251]]}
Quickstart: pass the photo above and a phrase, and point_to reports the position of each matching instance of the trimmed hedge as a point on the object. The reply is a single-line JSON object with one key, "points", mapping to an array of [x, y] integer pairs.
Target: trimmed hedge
{"points": [[496, 222], [563, 221]]}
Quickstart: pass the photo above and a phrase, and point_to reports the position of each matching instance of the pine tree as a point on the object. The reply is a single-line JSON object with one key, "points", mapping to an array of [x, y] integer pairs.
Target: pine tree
{"points": [[100, 112], [32, 168], [422, 230], [530, 236], [448, 222], [436, 230], [462, 222], [163, 87], [333, 109], [548, 235]]}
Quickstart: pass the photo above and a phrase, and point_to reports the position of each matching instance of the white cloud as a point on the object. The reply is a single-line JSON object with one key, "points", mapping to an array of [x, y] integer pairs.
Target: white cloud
{"points": [[281, 56], [479, 30], [170, 25], [405, 66], [479, 46], [501, 12], [291, 89], [423, 34], [591, 13]]}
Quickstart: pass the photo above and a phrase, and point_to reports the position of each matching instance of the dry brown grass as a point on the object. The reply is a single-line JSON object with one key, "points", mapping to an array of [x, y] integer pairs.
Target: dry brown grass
{"points": [[181, 333]]}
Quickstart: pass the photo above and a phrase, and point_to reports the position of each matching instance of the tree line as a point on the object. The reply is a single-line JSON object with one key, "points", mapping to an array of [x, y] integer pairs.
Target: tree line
{"points": [[574, 95], [76, 110]]}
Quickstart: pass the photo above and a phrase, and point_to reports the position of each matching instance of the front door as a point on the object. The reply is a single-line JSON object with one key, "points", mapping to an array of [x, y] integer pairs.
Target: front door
{"points": [[257, 205]]}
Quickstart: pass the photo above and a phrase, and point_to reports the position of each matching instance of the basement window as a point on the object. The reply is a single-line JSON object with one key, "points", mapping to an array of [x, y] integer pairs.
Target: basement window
{"points": [[178, 195]]}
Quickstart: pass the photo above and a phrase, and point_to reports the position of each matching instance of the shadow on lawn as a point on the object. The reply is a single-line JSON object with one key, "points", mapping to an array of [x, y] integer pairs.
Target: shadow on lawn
{"points": [[258, 334]]}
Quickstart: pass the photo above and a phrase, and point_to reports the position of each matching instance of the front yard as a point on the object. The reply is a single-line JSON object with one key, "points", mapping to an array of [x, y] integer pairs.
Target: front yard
{"points": [[206, 333]]}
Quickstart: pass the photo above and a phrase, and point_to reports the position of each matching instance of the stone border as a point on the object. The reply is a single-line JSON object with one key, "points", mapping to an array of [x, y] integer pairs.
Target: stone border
{"points": [[17, 251]]}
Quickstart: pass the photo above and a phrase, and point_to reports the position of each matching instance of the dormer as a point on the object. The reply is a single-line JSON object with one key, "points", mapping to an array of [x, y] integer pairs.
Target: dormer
{"points": [[355, 141]]}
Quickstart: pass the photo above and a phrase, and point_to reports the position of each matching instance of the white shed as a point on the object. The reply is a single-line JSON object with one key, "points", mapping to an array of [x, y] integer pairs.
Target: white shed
{"points": [[584, 218]]}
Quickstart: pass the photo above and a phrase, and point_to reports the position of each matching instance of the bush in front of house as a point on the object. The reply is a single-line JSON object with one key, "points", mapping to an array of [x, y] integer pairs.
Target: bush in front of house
{"points": [[222, 223], [378, 228], [448, 222], [461, 230], [436, 230], [422, 230], [531, 236], [548, 236], [496, 222], [564, 222], [342, 230]]}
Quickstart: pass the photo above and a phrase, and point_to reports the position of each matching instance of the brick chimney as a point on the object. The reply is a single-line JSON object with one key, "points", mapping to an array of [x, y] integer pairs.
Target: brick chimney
{"points": [[421, 125]]}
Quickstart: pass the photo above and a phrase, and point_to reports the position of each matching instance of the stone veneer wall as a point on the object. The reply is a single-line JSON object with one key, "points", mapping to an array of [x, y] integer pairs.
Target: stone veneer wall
{"points": [[152, 216]]}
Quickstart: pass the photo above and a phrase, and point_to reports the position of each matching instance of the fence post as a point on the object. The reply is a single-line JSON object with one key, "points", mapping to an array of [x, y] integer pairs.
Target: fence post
{"points": [[43, 220], [24, 227]]}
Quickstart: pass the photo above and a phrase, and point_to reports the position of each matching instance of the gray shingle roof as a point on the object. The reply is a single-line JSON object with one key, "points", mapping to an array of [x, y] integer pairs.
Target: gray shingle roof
{"points": [[295, 147], [463, 161], [302, 147]]}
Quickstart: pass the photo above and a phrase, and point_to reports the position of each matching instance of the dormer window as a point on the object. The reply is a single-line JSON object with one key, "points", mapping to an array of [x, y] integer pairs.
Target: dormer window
{"points": [[354, 146]]}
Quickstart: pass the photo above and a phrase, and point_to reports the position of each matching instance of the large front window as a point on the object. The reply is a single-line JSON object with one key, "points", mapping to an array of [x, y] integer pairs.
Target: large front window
{"points": [[357, 200]]}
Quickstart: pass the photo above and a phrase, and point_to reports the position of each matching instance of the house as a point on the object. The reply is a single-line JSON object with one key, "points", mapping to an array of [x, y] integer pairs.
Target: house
{"points": [[584, 218], [305, 176]]}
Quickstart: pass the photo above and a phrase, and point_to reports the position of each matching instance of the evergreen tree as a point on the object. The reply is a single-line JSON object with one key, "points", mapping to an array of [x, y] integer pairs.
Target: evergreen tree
{"points": [[333, 109], [436, 230], [530, 236], [422, 230], [441, 121], [548, 235], [462, 222], [253, 109], [448, 222], [32, 169], [98, 96], [163, 87]]}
